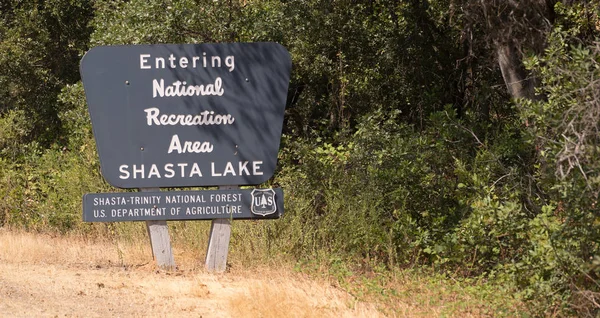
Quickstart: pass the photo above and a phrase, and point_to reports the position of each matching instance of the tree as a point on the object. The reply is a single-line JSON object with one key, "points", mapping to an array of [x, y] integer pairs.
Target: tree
{"points": [[42, 42], [511, 29]]}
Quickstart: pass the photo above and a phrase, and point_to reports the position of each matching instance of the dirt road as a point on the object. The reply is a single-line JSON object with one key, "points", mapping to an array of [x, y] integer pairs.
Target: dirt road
{"points": [[42, 276]]}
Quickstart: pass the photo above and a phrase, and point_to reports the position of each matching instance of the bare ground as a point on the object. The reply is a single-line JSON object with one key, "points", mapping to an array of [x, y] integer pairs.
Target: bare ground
{"points": [[44, 276]]}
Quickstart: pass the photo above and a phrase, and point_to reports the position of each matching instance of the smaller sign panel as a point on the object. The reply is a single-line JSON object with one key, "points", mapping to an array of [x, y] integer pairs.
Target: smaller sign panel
{"points": [[183, 205]]}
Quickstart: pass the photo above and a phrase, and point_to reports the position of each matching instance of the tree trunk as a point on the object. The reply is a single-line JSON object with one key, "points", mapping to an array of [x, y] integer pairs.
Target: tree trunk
{"points": [[516, 78]]}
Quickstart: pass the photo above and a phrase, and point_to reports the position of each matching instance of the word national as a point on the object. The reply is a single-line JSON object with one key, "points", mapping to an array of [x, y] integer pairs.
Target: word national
{"points": [[182, 89]]}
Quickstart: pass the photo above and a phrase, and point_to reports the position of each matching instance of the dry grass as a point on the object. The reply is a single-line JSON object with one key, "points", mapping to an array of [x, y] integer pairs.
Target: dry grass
{"points": [[56, 267], [424, 293], [21, 247], [75, 276], [290, 295]]}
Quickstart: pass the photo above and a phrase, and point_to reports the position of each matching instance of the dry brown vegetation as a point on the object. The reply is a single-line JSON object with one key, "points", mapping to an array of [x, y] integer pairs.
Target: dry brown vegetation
{"points": [[43, 275], [74, 276]]}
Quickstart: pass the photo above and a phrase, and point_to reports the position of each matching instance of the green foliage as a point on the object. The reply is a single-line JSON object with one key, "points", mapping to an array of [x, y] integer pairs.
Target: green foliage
{"points": [[353, 199], [45, 192], [144, 22], [564, 129], [41, 43], [401, 145], [14, 127]]}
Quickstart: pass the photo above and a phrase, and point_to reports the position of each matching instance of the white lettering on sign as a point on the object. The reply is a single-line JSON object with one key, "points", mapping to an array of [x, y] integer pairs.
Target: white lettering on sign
{"points": [[121, 213], [180, 88], [226, 197], [143, 61], [185, 170], [256, 168], [110, 201], [243, 168], [195, 170], [184, 62], [185, 198], [169, 169], [189, 146], [153, 172], [154, 117], [220, 209], [229, 170], [122, 200]]}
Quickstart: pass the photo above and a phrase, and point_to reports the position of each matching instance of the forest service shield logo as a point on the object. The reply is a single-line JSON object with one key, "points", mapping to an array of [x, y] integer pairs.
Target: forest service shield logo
{"points": [[263, 202]]}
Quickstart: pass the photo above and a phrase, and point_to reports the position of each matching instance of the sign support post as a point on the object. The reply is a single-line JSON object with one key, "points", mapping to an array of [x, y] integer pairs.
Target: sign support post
{"points": [[158, 232], [218, 244]]}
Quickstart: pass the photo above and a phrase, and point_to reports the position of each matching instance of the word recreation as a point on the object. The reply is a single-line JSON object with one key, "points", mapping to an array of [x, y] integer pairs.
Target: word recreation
{"points": [[183, 205]]}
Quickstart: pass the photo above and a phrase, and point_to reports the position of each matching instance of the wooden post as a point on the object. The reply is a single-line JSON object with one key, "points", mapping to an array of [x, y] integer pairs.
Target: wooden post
{"points": [[158, 231], [218, 244]]}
